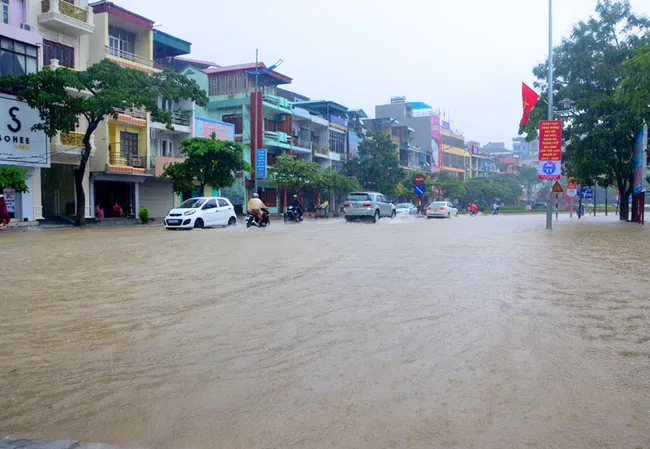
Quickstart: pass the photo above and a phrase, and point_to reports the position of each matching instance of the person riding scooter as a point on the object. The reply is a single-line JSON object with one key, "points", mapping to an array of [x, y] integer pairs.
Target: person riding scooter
{"points": [[296, 204], [256, 207], [473, 209]]}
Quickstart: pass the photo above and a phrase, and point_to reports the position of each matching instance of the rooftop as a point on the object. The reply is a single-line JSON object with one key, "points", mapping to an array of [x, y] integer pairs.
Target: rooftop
{"points": [[104, 6], [322, 104], [261, 67], [165, 45]]}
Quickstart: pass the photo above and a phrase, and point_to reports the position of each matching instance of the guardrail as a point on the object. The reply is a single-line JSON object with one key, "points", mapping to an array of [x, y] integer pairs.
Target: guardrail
{"points": [[128, 56]]}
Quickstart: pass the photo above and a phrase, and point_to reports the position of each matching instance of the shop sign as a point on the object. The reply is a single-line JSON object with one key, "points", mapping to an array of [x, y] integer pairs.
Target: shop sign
{"points": [[19, 145]]}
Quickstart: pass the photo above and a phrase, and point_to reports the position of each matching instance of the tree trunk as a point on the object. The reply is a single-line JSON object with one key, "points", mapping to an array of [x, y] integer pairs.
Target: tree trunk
{"points": [[79, 172], [624, 209]]}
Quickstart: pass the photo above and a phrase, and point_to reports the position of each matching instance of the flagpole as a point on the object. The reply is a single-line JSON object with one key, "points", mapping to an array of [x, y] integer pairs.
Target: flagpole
{"points": [[549, 209]]}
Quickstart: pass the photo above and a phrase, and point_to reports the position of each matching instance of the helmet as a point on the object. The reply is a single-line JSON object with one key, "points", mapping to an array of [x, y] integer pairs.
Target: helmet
{"points": [[256, 195], [295, 196]]}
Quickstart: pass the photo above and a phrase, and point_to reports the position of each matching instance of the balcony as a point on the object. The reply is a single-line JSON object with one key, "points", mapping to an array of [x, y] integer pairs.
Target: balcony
{"points": [[129, 60], [137, 117], [322, 152], [67, 147], [280, 104], [66, 18], [277, 139], [126, 164], [304, 145]]}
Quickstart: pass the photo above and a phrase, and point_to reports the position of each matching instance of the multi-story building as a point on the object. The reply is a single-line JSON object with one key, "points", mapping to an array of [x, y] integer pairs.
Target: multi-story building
{"points": [[457, 161], [422, 148], [261, 118], [22, 53]]}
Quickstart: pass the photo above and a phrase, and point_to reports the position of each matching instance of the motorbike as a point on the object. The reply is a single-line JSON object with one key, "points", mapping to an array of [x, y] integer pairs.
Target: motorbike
{"points": [[495, 211], [291, 214], [253, 220]]}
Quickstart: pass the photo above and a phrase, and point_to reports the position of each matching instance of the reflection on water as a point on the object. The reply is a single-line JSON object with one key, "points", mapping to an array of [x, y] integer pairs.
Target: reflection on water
{"points": [[487, 332]]}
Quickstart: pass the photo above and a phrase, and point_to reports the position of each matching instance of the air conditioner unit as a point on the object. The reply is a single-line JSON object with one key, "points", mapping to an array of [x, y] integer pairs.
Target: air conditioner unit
{"points": [[26, 26]]}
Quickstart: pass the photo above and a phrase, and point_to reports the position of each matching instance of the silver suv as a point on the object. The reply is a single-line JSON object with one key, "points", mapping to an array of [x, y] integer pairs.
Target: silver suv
{"points": [[368, 205]]}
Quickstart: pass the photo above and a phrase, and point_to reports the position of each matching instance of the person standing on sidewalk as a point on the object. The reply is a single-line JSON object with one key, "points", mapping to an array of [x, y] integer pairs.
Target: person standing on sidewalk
{"points": [[4, 213]]}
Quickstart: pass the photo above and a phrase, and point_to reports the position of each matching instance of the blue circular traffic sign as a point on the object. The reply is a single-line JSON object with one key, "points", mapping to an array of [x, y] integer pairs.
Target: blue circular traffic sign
{"points": [[549, 168]]}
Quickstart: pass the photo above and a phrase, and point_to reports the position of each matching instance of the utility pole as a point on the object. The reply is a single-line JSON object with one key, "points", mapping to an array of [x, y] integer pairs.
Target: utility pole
{"points": [[257, 144], [549, 209]]}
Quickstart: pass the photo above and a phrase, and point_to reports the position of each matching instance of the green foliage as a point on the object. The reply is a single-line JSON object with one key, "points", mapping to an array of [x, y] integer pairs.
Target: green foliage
{"points": [[334, 183], [143, 213], [208, 162], [484, 191], [378, 164], [62, 96], [529, 178], [602, 66], [294, 173], [450, 186], [14, 178]]}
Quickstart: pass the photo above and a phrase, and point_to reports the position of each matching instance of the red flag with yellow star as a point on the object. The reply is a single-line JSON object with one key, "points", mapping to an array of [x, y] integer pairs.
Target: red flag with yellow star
{"points": [[529, 99]]}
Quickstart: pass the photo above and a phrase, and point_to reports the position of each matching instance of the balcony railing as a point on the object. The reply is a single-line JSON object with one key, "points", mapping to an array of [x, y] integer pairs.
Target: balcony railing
{"points": [[135, 113], [128, 56], [65, 8], [181, 118], [279, 102], [279, 137]]}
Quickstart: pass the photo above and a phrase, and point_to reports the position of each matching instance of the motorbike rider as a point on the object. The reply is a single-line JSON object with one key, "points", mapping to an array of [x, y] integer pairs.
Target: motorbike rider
{"points": [[255, 206], [473, 208], [296, 204]]}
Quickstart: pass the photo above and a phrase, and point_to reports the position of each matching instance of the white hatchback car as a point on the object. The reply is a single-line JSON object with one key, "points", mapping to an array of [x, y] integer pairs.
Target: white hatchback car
{"points": [[202, 212], [441, 209]]}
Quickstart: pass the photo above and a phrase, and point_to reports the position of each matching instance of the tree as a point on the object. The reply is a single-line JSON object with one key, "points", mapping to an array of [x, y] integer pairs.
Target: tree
{"points": [[63, 96], [378, 164], [529, 177], [209, 162], [13, 178], [332, 182], [294, 173], [450, 186], [593, 68]]}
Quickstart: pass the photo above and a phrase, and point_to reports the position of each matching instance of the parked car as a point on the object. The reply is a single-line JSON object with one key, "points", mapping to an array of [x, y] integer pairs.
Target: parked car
{"points": [[441, 209], [406, 209], [539, 206], [202, 212], [368, 205]]}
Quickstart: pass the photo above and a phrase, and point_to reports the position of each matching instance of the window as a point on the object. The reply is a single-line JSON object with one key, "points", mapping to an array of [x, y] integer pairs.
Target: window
{"points": [[5, 11], [17, 58], [223, 203], [166, 105], [211, 204], [269, 197], [128, 144], [337, 142], [235, 119], [54, 50], [121, 42]]}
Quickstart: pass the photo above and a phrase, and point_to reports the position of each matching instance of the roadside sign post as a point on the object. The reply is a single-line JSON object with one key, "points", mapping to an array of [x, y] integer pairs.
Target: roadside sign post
{"points": [[557, 189], [550, 157], [572, 192], [419, 190]]}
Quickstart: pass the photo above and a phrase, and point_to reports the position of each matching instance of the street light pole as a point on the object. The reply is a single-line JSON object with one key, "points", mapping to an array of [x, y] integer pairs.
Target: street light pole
{"points": [[549, 209], [257, 144]]}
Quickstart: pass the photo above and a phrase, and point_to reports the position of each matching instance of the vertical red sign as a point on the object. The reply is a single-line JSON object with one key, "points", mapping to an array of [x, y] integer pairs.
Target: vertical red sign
{"points": [[550, 140]]}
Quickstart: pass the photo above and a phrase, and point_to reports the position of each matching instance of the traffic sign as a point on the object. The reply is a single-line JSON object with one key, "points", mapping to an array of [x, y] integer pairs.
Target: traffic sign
{"points": [[587, 192], [572, 188], [571, 193], [260, 163], [557, 188], [549, 170], [419, 179], [419, 190]]}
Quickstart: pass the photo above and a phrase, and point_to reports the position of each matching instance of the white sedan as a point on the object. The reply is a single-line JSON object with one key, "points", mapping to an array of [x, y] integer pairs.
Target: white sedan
{"points": [[442, 209], [202, 212]]}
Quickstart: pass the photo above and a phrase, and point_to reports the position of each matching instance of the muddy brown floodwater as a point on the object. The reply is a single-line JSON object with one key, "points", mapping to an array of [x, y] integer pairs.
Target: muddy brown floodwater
{"points": [[485, 332]]}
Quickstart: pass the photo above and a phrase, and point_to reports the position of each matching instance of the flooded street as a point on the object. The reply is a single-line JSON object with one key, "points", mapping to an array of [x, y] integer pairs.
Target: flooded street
{"points": [[485, 332]]}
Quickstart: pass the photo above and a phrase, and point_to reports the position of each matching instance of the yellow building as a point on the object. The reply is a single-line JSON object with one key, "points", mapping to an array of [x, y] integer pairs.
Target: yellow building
{"points": [[457, 161]]}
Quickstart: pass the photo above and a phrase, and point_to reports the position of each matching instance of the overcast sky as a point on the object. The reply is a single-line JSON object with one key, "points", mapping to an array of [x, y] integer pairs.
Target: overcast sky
{"points": [[466, 56]]}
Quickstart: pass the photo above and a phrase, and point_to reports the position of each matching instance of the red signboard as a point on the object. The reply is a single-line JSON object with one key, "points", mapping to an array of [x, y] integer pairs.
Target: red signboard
{"points": [[419, 179], [550, 140]]}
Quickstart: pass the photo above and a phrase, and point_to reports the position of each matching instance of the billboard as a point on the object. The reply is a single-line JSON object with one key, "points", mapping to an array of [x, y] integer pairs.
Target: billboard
{"points": [[435, 127], [549, 170], [550, 140], [204, 127], [640, 147], [19, 145]]}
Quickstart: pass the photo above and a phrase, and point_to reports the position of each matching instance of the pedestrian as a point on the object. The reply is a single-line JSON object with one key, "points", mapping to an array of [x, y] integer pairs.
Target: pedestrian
{"points": [[117, 209], [99, 212], [4, 213]]}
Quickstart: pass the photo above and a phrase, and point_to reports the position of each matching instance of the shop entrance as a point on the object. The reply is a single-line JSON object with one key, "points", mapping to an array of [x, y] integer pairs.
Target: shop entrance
{"points": [[58, 192], [107, 193]]}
